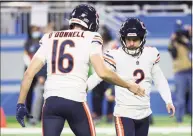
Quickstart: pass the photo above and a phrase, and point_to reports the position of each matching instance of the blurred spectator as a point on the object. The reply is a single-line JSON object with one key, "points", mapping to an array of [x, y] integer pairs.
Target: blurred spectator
{"points": [[142, 3], [110, 96], [30, 47], [99, 91], [64, 27], [180, 49]]}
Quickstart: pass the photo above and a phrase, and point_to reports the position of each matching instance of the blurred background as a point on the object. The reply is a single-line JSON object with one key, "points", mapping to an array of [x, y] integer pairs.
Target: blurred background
{"points": [[169, 26]]}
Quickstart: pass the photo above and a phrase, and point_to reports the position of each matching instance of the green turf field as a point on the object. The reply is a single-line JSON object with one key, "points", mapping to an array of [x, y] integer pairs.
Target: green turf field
{"points": [[159, 122]]}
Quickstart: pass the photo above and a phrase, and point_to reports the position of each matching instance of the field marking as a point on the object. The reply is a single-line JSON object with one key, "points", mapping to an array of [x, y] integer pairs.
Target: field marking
{"points": [[99, 130]]}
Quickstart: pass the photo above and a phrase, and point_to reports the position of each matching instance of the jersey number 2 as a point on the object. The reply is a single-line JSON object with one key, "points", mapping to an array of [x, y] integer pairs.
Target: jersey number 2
{"points": [[142, 75], [59, 55]]}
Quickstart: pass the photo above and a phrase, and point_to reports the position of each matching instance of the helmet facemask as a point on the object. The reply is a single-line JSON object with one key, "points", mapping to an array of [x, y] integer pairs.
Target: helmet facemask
{"points": [[135, 51]]}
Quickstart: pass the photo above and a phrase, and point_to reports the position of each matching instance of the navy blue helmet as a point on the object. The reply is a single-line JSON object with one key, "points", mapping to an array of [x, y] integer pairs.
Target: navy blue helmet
{"points": [[86, 16], [133, 27]]}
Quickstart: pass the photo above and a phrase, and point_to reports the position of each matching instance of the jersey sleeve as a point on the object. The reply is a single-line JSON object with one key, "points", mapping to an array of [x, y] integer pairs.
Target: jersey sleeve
{"points": [[156, 56], [161, 84], [96, 44], [42, 51], [159, 79], [93, 81], [109, 59]]}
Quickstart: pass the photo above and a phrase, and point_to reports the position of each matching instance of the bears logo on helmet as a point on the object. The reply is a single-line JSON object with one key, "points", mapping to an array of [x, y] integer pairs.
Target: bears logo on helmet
{"points": [[86, 16]]}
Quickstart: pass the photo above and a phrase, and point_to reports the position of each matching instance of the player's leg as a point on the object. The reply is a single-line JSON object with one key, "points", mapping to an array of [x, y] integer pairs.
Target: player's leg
{"points": [[80, 120], [124, 126], [52, 121], [142, 127], [181, 84]]}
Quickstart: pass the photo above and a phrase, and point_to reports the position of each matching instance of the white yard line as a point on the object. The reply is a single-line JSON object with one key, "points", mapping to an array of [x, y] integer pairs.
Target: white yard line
{"points": [[99, 130]]}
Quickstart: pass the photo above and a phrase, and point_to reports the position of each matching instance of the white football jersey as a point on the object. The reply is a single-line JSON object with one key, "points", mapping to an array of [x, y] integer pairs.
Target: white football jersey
{"points": [[67, 56], [139, 70]]}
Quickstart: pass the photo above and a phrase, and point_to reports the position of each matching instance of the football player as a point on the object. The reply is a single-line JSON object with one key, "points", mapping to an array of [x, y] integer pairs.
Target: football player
{"points": [[67, 54], [140, 64]]}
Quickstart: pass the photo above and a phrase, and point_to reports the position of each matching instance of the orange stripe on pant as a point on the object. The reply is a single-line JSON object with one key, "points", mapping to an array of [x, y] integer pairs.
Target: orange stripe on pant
{"points": [[119, 126], [90, 121], [111, 61]]}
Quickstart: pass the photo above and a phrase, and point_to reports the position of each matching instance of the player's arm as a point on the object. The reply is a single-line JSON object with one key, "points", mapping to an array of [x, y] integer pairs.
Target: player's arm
{"points": [[94, 79], [162, 85], [105, 73], [34, 67], [36, 64]]}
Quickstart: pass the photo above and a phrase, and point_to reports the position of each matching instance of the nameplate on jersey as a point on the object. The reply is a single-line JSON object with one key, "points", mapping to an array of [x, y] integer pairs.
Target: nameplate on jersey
{"points": [[69, 34]]}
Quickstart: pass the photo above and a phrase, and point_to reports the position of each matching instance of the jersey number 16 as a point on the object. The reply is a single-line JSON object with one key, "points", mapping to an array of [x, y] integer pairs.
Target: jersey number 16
{"points": [[58, 56]]}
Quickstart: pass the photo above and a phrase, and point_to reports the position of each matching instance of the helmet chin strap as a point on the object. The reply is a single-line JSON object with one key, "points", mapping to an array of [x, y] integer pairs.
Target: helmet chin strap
{"points": [[134, 52]]}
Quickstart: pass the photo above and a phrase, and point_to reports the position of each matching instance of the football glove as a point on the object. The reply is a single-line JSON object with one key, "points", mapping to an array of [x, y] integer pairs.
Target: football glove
{"points": [[21, 112]]}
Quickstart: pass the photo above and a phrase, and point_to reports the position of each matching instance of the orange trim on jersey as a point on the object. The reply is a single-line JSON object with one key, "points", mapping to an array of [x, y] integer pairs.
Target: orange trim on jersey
{"points": [[98, 39], [119, 126], [110, 60], [156, 62], [96, 36], [90, 121], [158, 59]]}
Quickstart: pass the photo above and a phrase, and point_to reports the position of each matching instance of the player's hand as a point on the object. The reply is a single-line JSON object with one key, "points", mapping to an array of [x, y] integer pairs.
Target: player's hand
{"points": [[170, 107], [21, 112], [41, 80], [136, 89]]}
